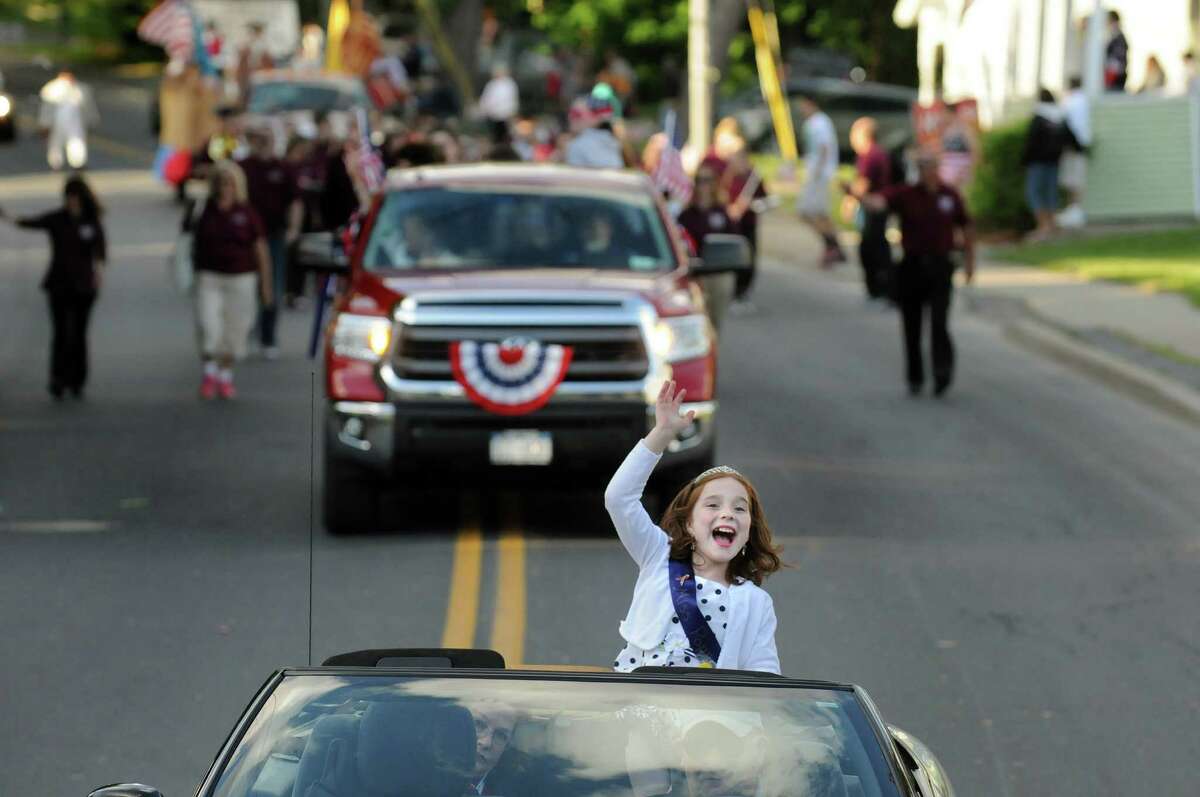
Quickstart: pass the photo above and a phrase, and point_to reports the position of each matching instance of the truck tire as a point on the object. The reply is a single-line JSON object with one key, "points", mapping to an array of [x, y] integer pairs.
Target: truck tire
{"points": [[350, 500]]}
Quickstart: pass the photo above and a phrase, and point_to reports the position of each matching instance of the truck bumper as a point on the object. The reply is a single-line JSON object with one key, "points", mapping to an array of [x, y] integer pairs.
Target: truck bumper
{"points": [[412, 437]]}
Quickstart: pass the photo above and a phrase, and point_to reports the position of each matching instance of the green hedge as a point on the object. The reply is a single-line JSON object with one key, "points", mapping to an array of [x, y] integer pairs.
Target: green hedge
{"points": [[996, 196]]}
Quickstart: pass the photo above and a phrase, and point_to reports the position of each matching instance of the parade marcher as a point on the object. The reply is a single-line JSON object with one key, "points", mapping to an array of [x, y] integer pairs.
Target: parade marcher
{"points": [[231, 260], [698, 601], [874, 174], [500, 102], [931, 213], [1116, 55], [596, 145], [726, 140], [274, 194], [704, 214], [741, 187], [307, 168], [77, 257], [67, 110], [1072, 169], [820, 167], [1048, 137]]}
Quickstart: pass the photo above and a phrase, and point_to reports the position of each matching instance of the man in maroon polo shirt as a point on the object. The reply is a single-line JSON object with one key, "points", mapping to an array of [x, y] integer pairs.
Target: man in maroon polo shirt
{"points": [[931, 214], [274, 193]]}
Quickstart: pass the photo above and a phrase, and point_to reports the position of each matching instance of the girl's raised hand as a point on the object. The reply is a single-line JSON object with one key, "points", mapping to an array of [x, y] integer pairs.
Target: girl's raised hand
{"points": [[668, 420]]}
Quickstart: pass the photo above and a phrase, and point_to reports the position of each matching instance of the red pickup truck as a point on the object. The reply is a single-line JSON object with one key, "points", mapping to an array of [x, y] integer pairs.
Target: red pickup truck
{"points": [[511, 317]]}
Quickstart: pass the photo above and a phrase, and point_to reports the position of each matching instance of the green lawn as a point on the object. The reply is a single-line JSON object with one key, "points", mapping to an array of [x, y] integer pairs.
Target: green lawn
{"points": [[1166, 260]]}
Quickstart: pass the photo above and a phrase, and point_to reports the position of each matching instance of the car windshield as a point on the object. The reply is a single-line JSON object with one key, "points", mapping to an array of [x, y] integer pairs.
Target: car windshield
{"points": [[344, 736], [279, 97], [509, 227]]}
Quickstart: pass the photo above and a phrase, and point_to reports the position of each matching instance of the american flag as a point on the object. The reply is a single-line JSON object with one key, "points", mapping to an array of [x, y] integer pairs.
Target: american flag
{"points": [[171, 24], [365, 157], [669, 175]]}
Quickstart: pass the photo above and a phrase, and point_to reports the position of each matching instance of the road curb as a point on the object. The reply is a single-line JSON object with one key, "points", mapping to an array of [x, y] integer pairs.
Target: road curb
{"points": [[1131, 379]]}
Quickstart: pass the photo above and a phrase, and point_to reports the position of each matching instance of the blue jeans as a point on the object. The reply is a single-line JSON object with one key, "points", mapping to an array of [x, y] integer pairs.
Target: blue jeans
{"points": [[268, 317], [1041, 187]]}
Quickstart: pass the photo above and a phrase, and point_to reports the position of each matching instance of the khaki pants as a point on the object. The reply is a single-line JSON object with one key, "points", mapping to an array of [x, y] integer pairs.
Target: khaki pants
{"points": [[225, 308]]}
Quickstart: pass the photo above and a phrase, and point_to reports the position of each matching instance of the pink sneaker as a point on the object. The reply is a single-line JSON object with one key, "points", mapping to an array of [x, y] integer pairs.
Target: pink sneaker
{"points": [[208, 388], [226, 389]]}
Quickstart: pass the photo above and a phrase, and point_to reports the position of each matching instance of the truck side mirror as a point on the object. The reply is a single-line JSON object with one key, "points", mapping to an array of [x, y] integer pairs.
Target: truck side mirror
{"points": [[722, 254], [322, 252], [126, 790]]}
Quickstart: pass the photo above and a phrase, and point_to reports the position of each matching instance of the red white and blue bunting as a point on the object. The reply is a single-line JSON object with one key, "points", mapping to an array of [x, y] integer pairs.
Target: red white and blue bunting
{"points": [[515, 377]]}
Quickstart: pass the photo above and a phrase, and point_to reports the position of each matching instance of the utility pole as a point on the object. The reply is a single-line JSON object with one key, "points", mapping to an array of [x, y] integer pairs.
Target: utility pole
{"points": [[1093, 51], [699, 93]]}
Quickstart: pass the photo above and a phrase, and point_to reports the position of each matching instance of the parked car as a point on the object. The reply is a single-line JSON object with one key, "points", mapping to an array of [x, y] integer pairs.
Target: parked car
{"points": [[510, 316], [8, 114], [843, 100], [435, 723]]}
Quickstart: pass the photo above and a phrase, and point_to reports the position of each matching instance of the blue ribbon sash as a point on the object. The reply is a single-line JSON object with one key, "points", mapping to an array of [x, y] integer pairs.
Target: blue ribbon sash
{"points": [[687, 609]]}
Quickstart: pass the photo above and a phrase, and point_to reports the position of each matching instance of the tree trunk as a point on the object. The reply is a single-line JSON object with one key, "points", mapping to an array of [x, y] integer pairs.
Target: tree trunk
{"points": [[464, 26], [453, 43], [725, 20]]}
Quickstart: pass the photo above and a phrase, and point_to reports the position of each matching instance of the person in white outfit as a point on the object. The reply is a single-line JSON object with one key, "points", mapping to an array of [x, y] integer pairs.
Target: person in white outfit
{"points": [[500, 102], [1072, 169], [698, 600], [820, 167], [66, 112]]}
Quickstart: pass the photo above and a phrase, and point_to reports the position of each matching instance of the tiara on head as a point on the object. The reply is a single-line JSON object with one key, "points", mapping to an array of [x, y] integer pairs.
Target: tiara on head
{"points": [[722, 469]]}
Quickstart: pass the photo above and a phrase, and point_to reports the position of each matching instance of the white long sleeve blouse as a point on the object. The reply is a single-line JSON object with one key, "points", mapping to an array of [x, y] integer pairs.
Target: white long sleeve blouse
{"points": [[750, 638]]}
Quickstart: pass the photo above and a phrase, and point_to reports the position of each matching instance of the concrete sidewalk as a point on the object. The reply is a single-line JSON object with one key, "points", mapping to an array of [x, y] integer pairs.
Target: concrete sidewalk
{"points": [[1140, 340]]}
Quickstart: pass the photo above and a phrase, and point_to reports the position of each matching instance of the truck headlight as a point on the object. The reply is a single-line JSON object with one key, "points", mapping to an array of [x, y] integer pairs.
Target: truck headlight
{"points": [[682, 338], [361, 337], [5, 106]]}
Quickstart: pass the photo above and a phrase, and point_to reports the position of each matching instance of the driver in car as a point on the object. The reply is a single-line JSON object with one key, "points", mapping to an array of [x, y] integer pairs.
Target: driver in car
{"points": [[415, 244], [499, 770], [599, 245]]}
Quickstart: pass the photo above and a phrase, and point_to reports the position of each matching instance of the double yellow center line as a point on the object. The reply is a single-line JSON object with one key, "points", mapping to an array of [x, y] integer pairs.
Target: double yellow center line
{"points": [[466, 583]]}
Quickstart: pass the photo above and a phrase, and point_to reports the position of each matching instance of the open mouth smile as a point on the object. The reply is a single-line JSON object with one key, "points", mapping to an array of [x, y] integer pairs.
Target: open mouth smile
{"points": [[724, 536]]}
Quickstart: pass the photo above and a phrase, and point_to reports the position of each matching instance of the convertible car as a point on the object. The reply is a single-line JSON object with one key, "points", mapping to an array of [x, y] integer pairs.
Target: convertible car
{"points": [[448, 723]]}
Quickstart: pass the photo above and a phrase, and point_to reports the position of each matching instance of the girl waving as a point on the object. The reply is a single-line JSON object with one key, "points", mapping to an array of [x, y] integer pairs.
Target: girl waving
{"points": [[698, 600]]}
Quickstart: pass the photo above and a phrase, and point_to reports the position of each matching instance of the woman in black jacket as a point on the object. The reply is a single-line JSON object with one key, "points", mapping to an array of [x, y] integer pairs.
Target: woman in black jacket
{"points": [[77, 256]]}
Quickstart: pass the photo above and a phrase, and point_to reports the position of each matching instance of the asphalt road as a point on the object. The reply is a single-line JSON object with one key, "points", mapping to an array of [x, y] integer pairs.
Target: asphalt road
{"points": [[1012, 572]]}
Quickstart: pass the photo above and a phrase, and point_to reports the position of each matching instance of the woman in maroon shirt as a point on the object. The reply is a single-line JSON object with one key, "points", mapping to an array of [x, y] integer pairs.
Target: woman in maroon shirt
{"points": [[705, 214], [77, 255], [741, 185], [231, 262]]}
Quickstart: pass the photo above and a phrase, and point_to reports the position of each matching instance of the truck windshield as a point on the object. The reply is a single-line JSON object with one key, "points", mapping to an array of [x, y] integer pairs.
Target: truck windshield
{"points": [[446, 737], [282, 97], [510, 227]]}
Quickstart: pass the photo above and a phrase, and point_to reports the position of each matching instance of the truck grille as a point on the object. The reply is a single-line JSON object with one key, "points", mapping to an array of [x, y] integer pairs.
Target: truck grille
{"points": [[601, 353]]}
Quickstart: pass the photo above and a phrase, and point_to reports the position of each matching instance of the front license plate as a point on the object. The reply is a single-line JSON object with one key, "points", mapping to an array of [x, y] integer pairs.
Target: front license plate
{"points": [[521, 447]]}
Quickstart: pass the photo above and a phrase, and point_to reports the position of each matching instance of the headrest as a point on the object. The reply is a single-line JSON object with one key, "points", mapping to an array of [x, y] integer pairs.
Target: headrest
{"points": [[416, 746]]}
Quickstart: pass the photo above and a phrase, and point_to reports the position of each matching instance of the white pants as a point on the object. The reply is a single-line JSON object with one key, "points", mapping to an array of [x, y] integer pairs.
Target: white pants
{"points": [[814, 198], [225, 309], [65, 148]]}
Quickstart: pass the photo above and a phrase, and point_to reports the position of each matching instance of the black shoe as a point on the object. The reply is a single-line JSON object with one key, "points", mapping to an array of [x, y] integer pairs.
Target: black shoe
{"points": [[57, 392], [914, 388], [940, 387], [77, 391]]}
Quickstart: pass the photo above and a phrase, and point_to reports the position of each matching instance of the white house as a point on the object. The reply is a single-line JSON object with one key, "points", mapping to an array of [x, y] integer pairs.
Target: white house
{"points": [[1146, 158]]}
